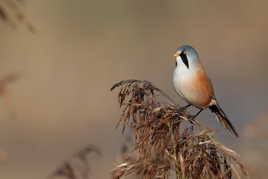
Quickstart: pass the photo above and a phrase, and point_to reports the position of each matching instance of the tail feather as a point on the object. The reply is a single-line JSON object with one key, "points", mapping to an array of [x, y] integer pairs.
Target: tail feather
{"points": [[216, 109]]}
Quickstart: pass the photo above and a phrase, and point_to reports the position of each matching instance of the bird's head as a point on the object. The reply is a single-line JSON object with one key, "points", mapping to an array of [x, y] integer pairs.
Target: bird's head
{"points": [[186, 57]]}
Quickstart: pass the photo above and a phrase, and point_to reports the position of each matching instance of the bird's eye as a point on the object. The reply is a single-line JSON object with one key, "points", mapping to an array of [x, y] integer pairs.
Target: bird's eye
{"points": [[184, 59]]}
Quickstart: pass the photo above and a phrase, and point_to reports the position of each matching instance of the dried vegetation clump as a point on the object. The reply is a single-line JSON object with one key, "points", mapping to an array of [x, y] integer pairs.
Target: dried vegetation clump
{"points": [[167, 142], [11, 13], [78, 166]]}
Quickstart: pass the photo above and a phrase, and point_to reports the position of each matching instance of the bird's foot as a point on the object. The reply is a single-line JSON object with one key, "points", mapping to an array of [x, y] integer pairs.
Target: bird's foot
{"points": [[194, 116], [181, 109]]}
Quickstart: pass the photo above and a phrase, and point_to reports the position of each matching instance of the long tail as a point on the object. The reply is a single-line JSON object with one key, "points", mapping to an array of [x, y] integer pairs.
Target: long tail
{"points": [[216, 109]]}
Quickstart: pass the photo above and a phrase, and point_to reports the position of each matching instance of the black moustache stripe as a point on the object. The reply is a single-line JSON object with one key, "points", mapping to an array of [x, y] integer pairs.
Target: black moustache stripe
{"points": [[184, 59]]}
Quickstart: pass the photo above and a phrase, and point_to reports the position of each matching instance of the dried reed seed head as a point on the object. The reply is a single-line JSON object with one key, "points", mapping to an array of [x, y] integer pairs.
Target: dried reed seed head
{"points": [[12, 14], [80, 169], [167, 140]]}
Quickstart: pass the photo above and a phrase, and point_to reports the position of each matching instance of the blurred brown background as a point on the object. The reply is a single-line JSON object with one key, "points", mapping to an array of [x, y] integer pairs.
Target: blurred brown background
{"points": [[62, 100]]}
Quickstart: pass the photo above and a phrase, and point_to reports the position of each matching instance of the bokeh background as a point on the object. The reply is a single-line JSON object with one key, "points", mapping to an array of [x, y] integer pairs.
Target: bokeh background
{"points": [[61, 101]]}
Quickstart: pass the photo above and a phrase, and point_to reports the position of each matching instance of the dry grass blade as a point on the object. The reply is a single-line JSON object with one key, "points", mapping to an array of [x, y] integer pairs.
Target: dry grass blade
{"points": [[12, 14], [166, 140], [66, 170], [4, 83], [71, 170]]}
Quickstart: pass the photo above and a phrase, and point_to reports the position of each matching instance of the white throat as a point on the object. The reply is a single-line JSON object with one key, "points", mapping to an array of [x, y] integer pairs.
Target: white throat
{"points": [[183, 73]]}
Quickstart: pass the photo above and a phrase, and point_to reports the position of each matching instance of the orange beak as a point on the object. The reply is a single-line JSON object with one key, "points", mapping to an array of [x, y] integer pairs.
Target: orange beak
{"points": [[176, 54]]}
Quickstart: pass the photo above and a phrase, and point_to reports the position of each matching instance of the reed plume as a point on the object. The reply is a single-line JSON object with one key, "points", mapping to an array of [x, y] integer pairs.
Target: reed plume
{"points": [[167, 143]]}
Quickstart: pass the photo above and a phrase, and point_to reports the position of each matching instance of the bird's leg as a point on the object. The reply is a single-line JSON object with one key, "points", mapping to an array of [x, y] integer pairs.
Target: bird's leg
{"points": [[197, 114], [185, 107]]}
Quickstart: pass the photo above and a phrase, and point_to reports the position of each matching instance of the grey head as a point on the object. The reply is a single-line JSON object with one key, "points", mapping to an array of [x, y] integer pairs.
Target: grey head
{"points": [[186, 57]]}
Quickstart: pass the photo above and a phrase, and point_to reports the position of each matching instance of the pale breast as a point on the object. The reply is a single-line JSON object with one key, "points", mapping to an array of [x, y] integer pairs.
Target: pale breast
{"points": [[195, 87]]}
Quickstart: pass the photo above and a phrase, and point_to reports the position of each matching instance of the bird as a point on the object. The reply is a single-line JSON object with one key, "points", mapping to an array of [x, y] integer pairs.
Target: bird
{"points": [[192, 83]]}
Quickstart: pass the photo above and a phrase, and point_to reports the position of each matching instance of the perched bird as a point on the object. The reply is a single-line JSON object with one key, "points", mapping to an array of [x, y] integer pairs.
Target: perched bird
{"points": [[192, 83]]}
